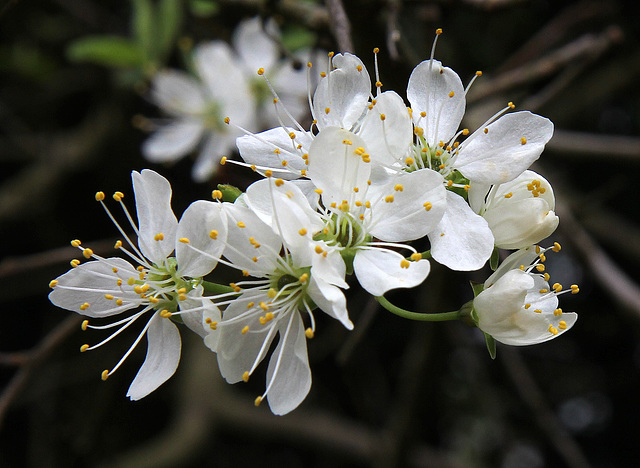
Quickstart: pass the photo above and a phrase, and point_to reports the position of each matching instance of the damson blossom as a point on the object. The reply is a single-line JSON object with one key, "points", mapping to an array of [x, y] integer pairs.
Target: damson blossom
{"points": [[279, 300], [161, 286], [517, 306], [519, 213]]}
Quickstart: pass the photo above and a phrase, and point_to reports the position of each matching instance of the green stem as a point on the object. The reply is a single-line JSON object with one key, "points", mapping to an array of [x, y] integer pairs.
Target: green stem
{"points": [[441, 317], [215, 288]]}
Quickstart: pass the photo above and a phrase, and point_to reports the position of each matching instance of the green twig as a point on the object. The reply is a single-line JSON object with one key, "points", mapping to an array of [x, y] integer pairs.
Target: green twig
{"points": [[441, 317]]}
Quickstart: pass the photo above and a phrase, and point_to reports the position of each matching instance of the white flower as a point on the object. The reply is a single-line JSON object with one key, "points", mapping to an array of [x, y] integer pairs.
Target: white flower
{"points": [[278, 302], [356, 211], [517, 306], [161, 284], [519, 212]]}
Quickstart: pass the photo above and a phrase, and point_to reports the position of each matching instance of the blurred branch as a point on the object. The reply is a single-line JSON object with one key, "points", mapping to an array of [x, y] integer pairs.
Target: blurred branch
{"points": [[340, 25], [534, 399], [585, 145], [33, 359], [589, 45]]}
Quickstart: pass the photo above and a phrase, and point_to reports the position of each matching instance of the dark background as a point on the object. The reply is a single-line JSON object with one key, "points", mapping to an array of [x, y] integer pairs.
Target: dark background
{"points": [[392, 392]]}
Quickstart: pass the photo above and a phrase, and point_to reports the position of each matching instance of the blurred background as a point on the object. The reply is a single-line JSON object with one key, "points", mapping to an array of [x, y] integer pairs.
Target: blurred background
{"points": [[392, 393]]}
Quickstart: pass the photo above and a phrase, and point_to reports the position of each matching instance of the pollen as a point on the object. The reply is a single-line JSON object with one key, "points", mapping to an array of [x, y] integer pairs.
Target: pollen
{"points": [[245, 376], [260, 71], [284, 163], [359, 68], [347, 142], [398, 188], [74, 263], [557, 287], [302, 232], [257, 401], [85, 325], [213, 234], [388, 199], [419, 131], [227, 120], [526, 306], [509, 195], [87, 253], [319, 249], [553, 330], [268, 173], [575, 289], [117, 245], [427, 206], [105, 375], [438, 31], [279, 182], [404, 263], [538, 311], [245, 330], [216, 195], [562, 325], [409, 161], [99, 196], [327, 110], [159, 237], [486, 130], [378, 84], [323, 74], [423, 114], [213, 325], [540, 268], [53, 283], [184, 240], [84, 347], [451, 94], [557, 312], [416, 256], [240, 224], [556, 247], [383, 117], [308, 333], [523, 141], [511, 105], [75, 243], [165, 314], [303, 278], [108, 297], [465, 131]]}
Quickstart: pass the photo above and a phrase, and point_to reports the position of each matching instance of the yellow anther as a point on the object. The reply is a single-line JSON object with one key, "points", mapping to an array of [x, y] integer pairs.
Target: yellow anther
{"points": [[319, 249], [272, 293], [327, 110], [538, 311], [478, 73], [245, 330], [213, 234], [449, 183], [119, 302], [323, 74], [416, 256], [303, 278], [245, 273], [108, 297], [398, 188], [367, 204], [269, 316], [465, 131], [359, 68], [439, 31], [427, 206], [257, 401], [223, 160], [75, 243], [546, 276], [268, 173], [423, 114], [356, 190], [284, 163], [184, 240], [575, 289], [544, 291], [302, 232], [404, 263], [260, 71], [85, 325], [138, 289], [562, 325], [245, 376], [557, 287], [486, 130], [303, 172], [99, 196], [87, 253], [526, 306], [553, 330], [540, 267], [521, 267], [84, 347], [279, 182], [131, 281], [378, 84], [275, 100], [216, 195], [309, 333], [451, 94], [240, 224], [263, 305], [74, 263], [466, 187], [347, 142], [159, 236], [441, 166], [388, 199], [227, 120], [556, 247], [53, 283], [557, 312], [117, 245], [213, 325], [105, 375], [409, 161], [383, 117], [255, 259], [358, 203], [361, 217], [165, 314], [523, 141], [509, 195], [419, 131]]}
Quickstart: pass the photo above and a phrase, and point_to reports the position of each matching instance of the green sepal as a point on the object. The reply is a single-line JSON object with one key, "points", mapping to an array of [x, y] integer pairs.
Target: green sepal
{"points": [[477, 288], [468, 315], [215, 288], [491, 345], [495, 259], [229, 192]]}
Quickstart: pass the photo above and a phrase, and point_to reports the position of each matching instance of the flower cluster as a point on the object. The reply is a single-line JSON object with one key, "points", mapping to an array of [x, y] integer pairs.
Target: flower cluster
{"points": [[348, 196]]}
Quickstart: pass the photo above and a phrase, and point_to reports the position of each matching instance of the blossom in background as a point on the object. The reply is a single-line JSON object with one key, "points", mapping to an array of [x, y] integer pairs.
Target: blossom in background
{"points": [[225, 85], [161, 284], [520, 212], [517, 306], [281, 298]]}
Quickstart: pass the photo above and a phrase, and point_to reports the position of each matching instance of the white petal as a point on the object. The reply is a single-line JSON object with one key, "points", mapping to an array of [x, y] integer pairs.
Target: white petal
{"points": [[502, 300], [269, 149], [499, 155], [345, 92], [255, 47], [288, 374], [217, 145], [163, 356], [429, 91], [178, 93], [522, 257], [388, 139], [406, 217], [197, 224], [95, 279], [195, 319], [330, 299], [379, 271], [462, 239], [173, 141], [331, 267], [336, 168], [155, 216]]}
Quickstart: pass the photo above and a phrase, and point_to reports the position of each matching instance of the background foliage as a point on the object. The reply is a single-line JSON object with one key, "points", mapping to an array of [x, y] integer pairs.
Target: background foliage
{"points": [[391, 393]]}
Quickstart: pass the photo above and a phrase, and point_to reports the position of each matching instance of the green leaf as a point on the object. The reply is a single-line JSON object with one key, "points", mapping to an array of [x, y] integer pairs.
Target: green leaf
{"points": [[495, 259], [296, 37], [109, 51], [144, 28], [204, 8], [491, 345], [170, 23]]}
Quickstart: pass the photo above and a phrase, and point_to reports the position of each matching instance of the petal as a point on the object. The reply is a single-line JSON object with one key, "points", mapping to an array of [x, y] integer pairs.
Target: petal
{"points": [[419, 202], [178, 93], [335, 166], [89, 282], [429, 92], [330, 299], [462, 239], [155, 216], [255, 47], [163, 356], [331, 267], [288, 374], [387, 129], [204, 224], [501, 301], [517, 259], [507, 149], [380, 270], [217, 145], [270, 150], [173, 141], [342, 97], [194, 319]]}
